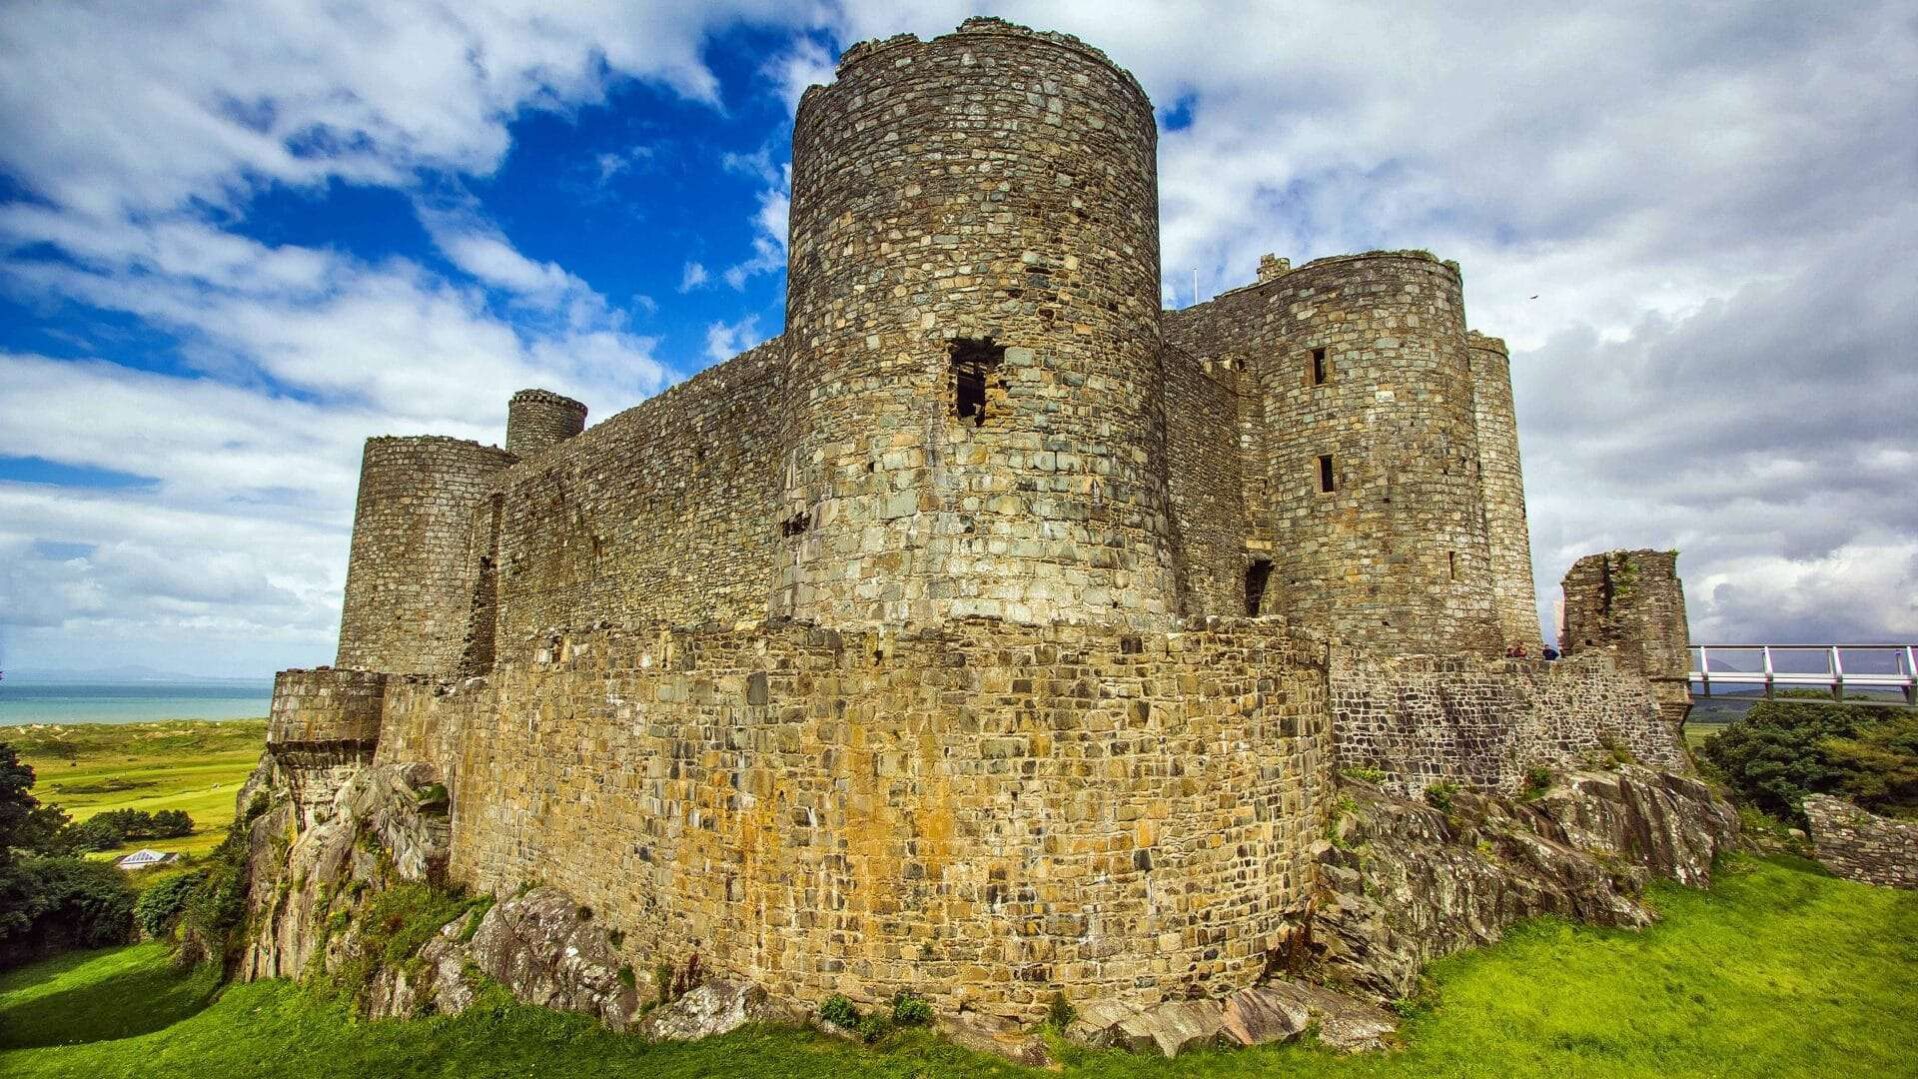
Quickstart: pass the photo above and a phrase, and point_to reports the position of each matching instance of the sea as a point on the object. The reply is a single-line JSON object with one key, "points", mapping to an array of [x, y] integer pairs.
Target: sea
{"points": [[131, 702]]}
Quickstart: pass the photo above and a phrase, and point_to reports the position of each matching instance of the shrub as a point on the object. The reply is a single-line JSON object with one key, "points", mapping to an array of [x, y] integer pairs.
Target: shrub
{"points": [[52, 904], [911, 1011], [160, 906], [171, 824], [663, 982], [1782, 750], [1538, 780], [95, 834], [874, 1026], [1439, 795], [1374, 776], [1060, 1013], [627, 978], [839, 1012]]}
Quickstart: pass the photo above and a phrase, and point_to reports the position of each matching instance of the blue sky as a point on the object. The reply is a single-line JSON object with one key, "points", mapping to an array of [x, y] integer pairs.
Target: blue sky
{"points": [[236, 239]]}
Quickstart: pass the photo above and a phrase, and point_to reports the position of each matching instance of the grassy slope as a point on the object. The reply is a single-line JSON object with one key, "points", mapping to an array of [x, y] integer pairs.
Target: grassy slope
{"points": [[194, 765], [1779, 971]]}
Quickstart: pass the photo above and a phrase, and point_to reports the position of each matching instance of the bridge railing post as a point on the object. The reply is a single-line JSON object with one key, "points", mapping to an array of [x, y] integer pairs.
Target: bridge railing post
{"points": [[1770, 674], [1837, 675]]}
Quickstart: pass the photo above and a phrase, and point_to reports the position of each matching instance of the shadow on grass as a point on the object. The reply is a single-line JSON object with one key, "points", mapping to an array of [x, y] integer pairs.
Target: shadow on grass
{"points": [[137, 1000]]}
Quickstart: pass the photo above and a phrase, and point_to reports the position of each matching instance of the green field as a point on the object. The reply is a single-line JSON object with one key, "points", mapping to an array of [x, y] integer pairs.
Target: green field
{"points": [[194, 765], [1778, 971]]}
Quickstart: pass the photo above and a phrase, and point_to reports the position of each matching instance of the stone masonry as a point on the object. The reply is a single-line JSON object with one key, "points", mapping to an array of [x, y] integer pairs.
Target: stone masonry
{"points": [[1859, 845], [991, 633]]}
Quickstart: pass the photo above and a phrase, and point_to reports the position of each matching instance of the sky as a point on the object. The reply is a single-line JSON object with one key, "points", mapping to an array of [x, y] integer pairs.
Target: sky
{"points": [[237, 238]]}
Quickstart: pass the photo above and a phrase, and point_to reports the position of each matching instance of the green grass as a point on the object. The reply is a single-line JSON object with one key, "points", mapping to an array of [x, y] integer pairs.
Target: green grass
{"points": [[194, 765], [1780, 970]]}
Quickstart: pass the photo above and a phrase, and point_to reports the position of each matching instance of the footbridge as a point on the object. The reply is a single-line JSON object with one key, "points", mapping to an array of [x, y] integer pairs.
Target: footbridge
{"points": [[1862, 671]]}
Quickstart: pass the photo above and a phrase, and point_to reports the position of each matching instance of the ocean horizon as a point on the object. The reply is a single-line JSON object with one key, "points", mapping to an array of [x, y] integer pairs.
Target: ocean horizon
{"points": [[52, 701]]}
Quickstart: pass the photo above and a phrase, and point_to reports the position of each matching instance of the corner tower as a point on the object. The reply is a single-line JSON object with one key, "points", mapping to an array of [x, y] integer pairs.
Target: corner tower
{"points": [[1506, 532], [413, 571], [1372, 462], [538, 419], [972, 313]]}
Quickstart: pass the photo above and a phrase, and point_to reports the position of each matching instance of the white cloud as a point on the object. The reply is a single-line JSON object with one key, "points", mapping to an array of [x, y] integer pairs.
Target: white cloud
{"points": [[692, 276], [769, 239], [807, 63], [724, 340]]}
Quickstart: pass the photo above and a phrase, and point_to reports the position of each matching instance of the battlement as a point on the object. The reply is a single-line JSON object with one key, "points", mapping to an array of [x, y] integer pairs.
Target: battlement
{"points": [[537, 420]]}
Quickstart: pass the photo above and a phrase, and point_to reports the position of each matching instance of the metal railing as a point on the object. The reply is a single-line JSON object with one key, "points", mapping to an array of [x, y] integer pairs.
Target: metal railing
{"points": [[1834, 668]]}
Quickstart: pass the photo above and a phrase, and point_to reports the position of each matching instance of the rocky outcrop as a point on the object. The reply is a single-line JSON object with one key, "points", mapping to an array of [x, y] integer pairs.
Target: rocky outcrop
{"points": [[384, 828], [1403, 883], [541, 945], [1862, 846], [711, 1009], [1278, 1011]]}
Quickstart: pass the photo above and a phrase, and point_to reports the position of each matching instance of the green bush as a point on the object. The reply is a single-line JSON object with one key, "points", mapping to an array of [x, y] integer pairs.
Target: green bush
{"points": [[1439, 795], [1538, 780], [52, 904], [911, 1011], [160, 906], [1060, 1013], [98, 833], [839, 1012], [1782, 750]]}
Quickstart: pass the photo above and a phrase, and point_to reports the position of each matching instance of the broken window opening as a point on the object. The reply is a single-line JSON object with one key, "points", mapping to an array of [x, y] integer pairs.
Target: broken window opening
{"points": [[1451, 563], [975, 363], [1319, 367], [1326, 484], [794, 525], [1256, 575]]}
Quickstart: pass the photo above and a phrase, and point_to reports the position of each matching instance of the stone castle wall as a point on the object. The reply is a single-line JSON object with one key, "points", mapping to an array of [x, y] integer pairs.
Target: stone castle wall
{"points": [[1204, 481], [412, 573], [982, 206], [1483, 722], [1507, 533], [1863, 846], [981, 814], [662, 512], [324, 727]]}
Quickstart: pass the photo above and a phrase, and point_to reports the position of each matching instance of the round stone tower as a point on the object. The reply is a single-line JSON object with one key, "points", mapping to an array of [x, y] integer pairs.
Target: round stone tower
{"points": [[972, 332], [537, 419], [1507, 535], [1374, 457], [411, 576]]}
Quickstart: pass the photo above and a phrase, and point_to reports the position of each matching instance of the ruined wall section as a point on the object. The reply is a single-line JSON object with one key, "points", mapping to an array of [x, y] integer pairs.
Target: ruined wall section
{"points": [[1508, 535], [1632, 604], [994, 185], [1205, 486], [324, 727], [1863, 846], [664, 511], [538, 419], [981, 814], [411, 576], [1483, 722]]}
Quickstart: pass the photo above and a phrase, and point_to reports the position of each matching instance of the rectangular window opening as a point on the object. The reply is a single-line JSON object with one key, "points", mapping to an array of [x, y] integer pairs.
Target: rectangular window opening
{"points": [[975, 364], [1325, 473], [1451, 563], [1256, 575], [1319, 367]]}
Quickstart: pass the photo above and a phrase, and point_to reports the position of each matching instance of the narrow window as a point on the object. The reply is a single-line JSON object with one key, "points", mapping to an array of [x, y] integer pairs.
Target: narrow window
{"points": [[1325, 473], [1256, 575], [1451, 563], [794, 525], [975, 363], [1318, 367]]}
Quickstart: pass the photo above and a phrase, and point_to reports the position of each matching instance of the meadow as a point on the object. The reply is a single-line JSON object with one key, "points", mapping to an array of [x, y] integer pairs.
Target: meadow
{"points": [[1778, 970], [191, 765]]}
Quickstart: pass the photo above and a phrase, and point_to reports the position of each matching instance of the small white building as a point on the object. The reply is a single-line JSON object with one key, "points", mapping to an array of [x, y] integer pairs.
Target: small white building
{"points": [[147, 858]]}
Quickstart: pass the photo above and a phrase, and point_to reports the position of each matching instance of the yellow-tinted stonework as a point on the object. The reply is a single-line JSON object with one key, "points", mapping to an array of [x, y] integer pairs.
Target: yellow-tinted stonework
{"points": [[991, 633]]}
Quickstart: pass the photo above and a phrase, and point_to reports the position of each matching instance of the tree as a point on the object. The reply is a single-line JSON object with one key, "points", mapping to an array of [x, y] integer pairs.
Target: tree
{"points": [[1783, 750], [17, 803], [100, 832], [171, 824]]}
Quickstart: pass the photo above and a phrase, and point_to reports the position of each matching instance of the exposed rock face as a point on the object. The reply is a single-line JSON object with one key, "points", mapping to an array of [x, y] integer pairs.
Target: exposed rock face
{"points": [[539, 946], [1404, 883], [711, 1009], [378, 833], [1862, 846]]}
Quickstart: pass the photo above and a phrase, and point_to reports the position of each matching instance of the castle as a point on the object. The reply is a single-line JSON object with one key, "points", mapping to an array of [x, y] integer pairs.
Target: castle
{"points": [[992, 632]]}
